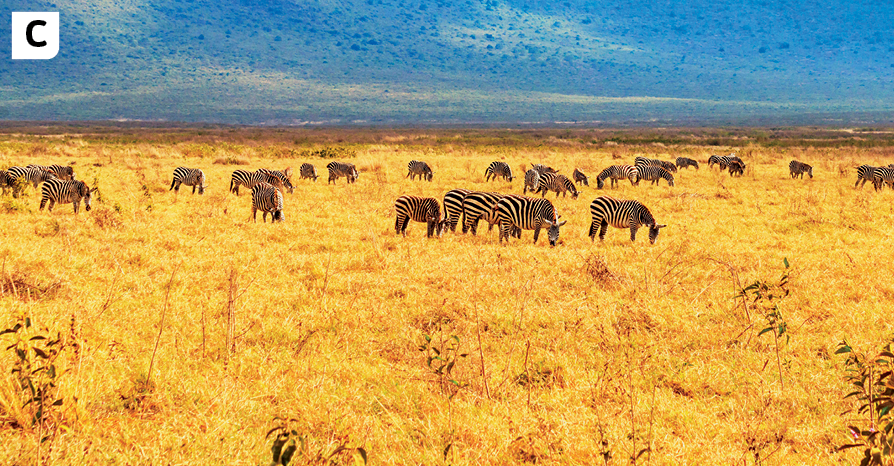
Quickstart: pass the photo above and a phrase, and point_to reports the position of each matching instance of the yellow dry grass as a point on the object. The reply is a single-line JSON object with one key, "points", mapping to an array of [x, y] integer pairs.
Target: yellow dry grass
{"points": [[580, 354]]}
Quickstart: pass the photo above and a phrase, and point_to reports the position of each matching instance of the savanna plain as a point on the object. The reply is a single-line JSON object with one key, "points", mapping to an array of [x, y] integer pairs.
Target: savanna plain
{"points": [[168, 328]]}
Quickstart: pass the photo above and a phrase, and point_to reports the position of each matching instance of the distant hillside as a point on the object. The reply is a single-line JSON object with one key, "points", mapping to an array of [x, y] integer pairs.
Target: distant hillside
{"points": [[396, 61]]}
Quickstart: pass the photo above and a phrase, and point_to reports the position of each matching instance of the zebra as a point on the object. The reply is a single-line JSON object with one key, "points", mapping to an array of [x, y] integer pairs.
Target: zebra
{"points": [[882, 176], [722, 161], [496, 169], [864, 174], [541, 169], [528, 213], [64, 191], [532, 180], [617, 172], [736, 166], [266, 198], [422, 169], [250, 179], [796, 168], [308, 171], [5, 182], [284, 177], [453, 207], [621, 214], [683, 162], [419, 209], [654, 174], [34, 175], [190, 177], [580, 177], [640, 162], [339, 169], [558, 183], [59, 171], [480, 206]]}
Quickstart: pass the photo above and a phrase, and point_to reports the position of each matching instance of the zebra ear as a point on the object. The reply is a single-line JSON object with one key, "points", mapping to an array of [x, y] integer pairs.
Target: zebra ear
{"points": [[659, 226], [94, 189], [562, 223], [548, 222]]}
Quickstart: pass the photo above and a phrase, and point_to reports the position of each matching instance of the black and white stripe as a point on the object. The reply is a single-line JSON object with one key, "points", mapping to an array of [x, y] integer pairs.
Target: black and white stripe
{"points": [[250, 179], [722, 161], [190, 177], [527, 213], [580, 177], [621, 214], [864, 174], [421, 169], [59, 171], [654, 174], [266, 198], [453, 207], [796, 168], [340, 169], [541, 169], [532, 180], [284, 177], [496, 169], [640, 162], [479, 206], [882, 176], [64, 191], [418, 209], [618, 172], [683, 162], [35, 176], [558, 183], [308, 171]]}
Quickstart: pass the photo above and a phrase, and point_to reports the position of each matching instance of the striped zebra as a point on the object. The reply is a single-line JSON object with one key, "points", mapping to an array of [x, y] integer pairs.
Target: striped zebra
{"points": [[496, 169], [654, 174], [527, 213], [736, 166], [35, 176], [683, 162], [418, 209], [618, 172], [64, 191], [882, 176], [580, 177], [722, 161], [479, 206], [339, 169], [640, 162], [453, 207], [266, 198], [308, 171], [621, 214], [5, 183], [864, 174], [421, 169], [541, 169], [59, 171], [796, 168], [284, 177], [532, 180], [190, 177], [558, 183], [250, 179]]}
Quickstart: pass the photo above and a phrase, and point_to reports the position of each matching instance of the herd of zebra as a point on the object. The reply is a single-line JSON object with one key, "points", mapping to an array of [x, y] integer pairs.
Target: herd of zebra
{"points": [[59, 185]]}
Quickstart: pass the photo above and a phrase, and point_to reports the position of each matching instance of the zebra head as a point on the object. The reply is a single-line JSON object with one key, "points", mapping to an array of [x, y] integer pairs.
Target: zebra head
{"points": [[653, 232], [87, 194], [201, 183], [278, 216], [600, 183], [553, 231], [810, 171]]}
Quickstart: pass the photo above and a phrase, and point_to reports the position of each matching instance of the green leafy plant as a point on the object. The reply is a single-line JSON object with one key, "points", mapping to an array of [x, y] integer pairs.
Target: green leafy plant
{"points": [[441, 359], [871, 377], [766, 296], [291, 446]]}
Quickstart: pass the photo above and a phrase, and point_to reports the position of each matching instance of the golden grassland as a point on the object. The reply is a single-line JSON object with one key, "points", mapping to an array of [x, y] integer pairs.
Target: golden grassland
{"points": [[585, 353]]}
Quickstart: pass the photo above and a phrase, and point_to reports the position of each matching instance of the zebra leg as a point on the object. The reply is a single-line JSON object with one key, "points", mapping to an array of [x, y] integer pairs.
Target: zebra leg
{"points": [[633, 229], [397, 225], [602, 228], [254, 214], [592, 232], [173, 182], [193, 189], [536, 233], [43, 202], [76, 204]]}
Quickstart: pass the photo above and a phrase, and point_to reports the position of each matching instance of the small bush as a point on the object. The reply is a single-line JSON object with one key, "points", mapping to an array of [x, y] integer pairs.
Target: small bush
{"points": [[231, 160], [330, 152]]}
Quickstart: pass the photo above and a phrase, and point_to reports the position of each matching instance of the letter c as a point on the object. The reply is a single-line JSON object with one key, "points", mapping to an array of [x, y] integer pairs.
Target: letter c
{"points": [[29, 33]]}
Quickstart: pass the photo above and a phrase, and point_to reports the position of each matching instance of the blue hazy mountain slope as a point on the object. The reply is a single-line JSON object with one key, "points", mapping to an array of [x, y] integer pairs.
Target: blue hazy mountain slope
{"points": [[472, 61]]}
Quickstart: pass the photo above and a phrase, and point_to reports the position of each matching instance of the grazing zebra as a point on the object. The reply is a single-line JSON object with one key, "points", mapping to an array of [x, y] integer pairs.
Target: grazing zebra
{"points": [[722, 161], [527, 213], [532, 180], [541, 169], [250, 179], [5, 182], [618, 172], [654, 174], [796, 168], [419, 209], [422, 169], [266, 198], [683, 162], [496, 169], [55, 190], [190, 177], [864, 174], [339, 169], [59, 171], [882, 176], [284, 177], [480, 206], [580, 177], [640, 162], [558, 183], [453, 207], [308, 171], [34, 175], [736, 166], [621, 214]]}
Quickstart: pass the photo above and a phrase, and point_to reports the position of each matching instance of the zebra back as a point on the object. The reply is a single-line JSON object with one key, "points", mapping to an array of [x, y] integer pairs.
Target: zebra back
{"points": [[453, 207], [619, 213], [340, 169], [479, 206], [541, 169], [617, 172], [418, 209], [654, 174], [558, 183], [59, 171], [59, 191], [882, 176], [308, 171], [283, 177]]}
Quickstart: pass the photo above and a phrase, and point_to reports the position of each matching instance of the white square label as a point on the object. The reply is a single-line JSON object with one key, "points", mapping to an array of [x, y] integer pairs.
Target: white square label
{"points": [[35, 35]]}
